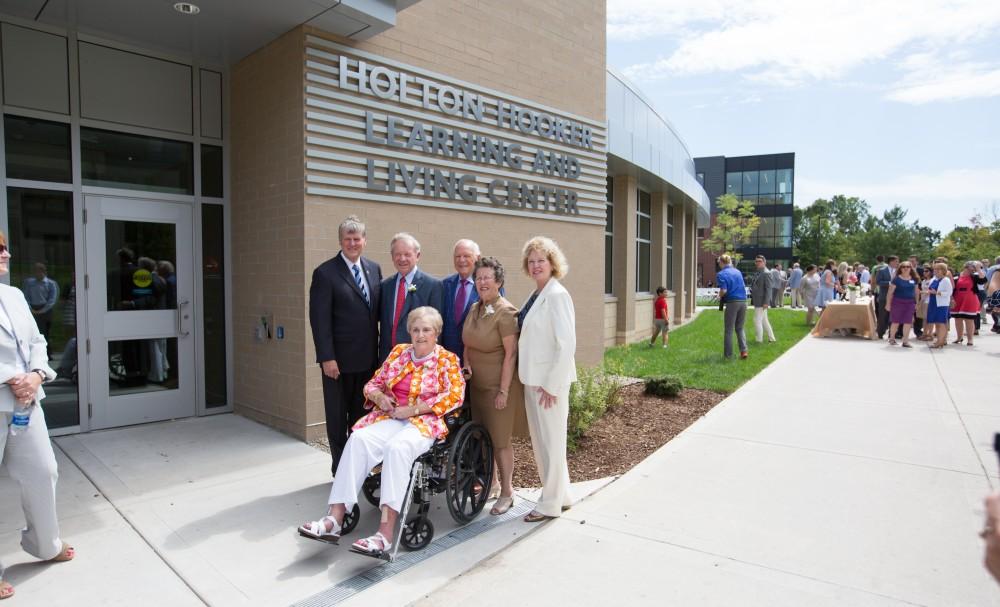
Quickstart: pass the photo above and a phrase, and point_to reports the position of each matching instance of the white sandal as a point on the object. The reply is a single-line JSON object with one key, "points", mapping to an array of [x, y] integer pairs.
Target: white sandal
{"points": [[318, 531], [369, 545]]}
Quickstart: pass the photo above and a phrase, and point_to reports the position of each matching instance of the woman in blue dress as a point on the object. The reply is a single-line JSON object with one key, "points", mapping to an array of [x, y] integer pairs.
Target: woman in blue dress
{"points": [[940, 302]]}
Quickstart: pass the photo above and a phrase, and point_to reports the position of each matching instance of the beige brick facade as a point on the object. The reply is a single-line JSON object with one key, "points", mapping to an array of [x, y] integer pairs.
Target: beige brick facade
{"points": [[280, 234]]}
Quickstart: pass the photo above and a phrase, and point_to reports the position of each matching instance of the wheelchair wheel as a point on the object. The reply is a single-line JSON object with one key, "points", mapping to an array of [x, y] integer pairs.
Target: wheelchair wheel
{"points": [[371, 488], [470, 465], [417, 534], [350, 520]]}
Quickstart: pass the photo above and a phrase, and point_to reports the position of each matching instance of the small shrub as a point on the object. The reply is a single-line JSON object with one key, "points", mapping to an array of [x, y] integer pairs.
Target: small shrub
{"points": [[664, 385], [595, 391]]}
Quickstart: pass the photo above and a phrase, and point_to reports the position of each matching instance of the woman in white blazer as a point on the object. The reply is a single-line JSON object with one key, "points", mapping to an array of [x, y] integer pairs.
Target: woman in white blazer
{"points": [[547, 367], [28, 455]]}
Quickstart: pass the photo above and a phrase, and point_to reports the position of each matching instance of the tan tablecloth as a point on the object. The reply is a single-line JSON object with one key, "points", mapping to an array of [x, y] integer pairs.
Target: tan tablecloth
{"points": [[859, 316]]}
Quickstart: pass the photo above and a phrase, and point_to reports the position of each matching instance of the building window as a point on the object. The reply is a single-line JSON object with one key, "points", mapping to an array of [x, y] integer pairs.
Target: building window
{"points": [[643, 244], [211, 171], [213, 256], [783, 180], [783, 232], [670, 247], [750, 183], [766, 182], [609, 237], [123, 160], [734, 184], [37, 150]]}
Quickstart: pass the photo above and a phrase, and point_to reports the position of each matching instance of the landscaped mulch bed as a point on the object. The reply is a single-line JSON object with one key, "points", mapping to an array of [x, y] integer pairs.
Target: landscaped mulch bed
{"points": [[624, 436]]}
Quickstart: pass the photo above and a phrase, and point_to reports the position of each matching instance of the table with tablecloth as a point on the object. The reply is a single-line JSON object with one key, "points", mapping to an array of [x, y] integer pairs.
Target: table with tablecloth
{"points": [[859, 316]]}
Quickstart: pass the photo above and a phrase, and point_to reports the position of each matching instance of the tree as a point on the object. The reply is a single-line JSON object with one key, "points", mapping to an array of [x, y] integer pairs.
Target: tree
{"points": [[735, 223], [976, 241]]}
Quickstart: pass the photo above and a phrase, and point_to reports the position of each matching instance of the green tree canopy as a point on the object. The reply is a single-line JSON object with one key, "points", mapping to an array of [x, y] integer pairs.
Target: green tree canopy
{"points": [[735, 223]]}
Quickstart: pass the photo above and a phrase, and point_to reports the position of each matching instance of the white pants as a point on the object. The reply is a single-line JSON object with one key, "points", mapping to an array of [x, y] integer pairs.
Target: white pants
{"points": [[394, 442], [32, 464], [548, 441], [761, 324]]}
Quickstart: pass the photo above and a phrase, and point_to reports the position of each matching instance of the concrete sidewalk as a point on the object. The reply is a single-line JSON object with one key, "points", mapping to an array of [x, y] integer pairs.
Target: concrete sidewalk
{"points": [[848, 472], [203, 512]]}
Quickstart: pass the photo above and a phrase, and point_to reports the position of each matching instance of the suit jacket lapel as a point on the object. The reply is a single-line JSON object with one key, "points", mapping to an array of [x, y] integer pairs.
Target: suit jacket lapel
{"points": [[348, 275]]}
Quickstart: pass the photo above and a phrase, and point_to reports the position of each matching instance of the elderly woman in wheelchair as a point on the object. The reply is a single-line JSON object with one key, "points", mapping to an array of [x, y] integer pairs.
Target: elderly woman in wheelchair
{"points": [[409, 396]]}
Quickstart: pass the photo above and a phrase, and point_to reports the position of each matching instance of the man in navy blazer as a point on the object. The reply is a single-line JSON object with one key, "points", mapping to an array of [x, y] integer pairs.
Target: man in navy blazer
{"points": [[343, 311], [407, 289], [459, 295]]}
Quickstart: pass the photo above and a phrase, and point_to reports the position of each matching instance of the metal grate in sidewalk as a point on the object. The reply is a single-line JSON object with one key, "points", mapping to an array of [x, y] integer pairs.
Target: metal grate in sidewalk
{"points": [[350, 587]]}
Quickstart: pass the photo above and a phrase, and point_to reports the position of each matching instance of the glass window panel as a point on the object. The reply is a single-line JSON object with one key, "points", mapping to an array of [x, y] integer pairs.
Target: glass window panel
{"points": [[670, 269], [644, 227], [765, 232], [142, 365], [642, 267], [766, 185], [645, 202], [670, 235], [765, 200], [784, 199], [749, 182], [123, 160], [784, 181], [670, 213], [751, 199], [41, 232], [37, 149], [141, 260], [734, 184], [211, 171], [608, 267], [214, 290], [782, 226]]}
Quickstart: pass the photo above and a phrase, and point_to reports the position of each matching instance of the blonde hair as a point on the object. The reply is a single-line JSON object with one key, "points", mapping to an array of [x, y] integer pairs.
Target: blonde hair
{"points": [[725, 260], [422, 313], [551, 250], [943, 267]]}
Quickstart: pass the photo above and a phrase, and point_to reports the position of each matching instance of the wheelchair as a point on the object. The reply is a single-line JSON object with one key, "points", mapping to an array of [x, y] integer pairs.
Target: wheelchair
{"points": [[460, 465]]}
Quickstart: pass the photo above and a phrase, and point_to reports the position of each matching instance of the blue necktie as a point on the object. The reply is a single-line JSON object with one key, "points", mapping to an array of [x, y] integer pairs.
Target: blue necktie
{"points": [[361, 284]]}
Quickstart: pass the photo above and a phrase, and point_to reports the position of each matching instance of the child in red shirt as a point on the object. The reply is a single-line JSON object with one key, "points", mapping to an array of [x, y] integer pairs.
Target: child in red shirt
{"points": [[661, 322]]}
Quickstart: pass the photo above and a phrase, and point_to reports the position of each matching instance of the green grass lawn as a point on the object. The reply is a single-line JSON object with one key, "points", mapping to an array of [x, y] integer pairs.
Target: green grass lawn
{"points": [[695, 351]]}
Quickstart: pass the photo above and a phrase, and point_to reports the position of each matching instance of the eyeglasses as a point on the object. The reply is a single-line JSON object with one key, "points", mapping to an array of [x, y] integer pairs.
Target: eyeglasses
{"points": [[3, 249]]}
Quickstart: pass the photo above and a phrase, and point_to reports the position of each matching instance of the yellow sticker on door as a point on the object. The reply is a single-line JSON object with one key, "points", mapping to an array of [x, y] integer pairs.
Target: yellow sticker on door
{"points": [[142, 278]]}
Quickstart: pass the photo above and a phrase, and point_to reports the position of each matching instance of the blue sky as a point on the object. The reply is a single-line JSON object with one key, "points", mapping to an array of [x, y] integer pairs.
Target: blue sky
{"points": [[895, 102]]}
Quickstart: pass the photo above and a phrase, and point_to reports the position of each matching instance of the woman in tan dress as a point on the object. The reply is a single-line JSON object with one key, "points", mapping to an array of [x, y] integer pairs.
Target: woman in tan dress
{"points": [[490, 337]]}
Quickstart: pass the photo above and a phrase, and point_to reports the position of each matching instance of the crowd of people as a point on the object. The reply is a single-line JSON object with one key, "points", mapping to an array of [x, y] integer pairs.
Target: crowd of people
{"points": [[913, 300], [396, 354]]}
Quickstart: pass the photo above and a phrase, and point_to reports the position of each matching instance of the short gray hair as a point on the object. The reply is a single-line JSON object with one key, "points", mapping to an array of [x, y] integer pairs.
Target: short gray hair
{"points": [[407, 237], [352, 224], [472, 244], [425, 312]]}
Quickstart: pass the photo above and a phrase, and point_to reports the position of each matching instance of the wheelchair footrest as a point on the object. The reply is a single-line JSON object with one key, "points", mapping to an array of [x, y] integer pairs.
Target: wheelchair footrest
{"points": [[382, 555]]}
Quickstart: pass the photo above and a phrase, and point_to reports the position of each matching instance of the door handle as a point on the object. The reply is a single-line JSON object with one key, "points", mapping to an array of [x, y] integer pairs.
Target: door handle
{"points": [[181, 317]]}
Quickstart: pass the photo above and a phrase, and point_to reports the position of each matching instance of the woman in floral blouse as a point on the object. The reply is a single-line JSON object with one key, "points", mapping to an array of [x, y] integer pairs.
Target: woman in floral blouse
{"points": [[417, 385]]}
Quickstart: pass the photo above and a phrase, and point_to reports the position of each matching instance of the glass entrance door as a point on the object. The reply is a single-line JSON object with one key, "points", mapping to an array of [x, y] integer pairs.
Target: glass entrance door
{"points": [[140, 271]]}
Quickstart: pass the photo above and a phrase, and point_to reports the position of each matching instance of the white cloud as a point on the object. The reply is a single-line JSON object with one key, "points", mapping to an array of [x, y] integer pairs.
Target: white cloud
{"points": [[788, 42], [940, 200], [936, 81]]}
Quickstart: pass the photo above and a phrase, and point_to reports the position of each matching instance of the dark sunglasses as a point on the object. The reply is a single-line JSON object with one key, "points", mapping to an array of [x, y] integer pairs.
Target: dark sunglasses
{"points": [[3, 249]]}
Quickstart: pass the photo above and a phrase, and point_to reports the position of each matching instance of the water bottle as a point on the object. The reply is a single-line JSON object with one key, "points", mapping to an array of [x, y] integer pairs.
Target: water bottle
{"points": [[19, 422]]}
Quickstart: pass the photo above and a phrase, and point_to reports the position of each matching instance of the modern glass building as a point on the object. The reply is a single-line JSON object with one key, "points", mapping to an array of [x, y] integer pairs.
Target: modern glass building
{"points": [[767, 181], [176, 172]]}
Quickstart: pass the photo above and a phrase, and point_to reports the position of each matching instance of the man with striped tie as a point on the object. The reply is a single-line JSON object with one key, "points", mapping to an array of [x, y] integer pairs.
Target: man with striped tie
{"points": [[343, 313]]}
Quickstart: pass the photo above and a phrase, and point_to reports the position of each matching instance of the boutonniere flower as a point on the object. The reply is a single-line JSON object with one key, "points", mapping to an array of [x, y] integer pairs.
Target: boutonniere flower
{"points": [[490, 310], [412, 288]]}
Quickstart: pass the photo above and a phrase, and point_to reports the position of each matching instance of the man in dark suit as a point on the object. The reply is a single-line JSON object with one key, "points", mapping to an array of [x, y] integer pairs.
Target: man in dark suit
{"points": [[459, 295], [407, 289], [343, 311]]}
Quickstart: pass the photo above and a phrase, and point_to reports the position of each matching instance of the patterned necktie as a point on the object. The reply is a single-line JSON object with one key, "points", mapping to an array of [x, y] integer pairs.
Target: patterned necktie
{"points": [[361, 284], [460, 299], [400, 300]]}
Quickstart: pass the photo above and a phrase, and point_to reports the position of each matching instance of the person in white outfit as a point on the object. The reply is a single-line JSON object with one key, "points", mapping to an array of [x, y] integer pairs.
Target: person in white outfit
{"points": [[28, 453], [547, 368], [760, 297], [411, 393]]}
